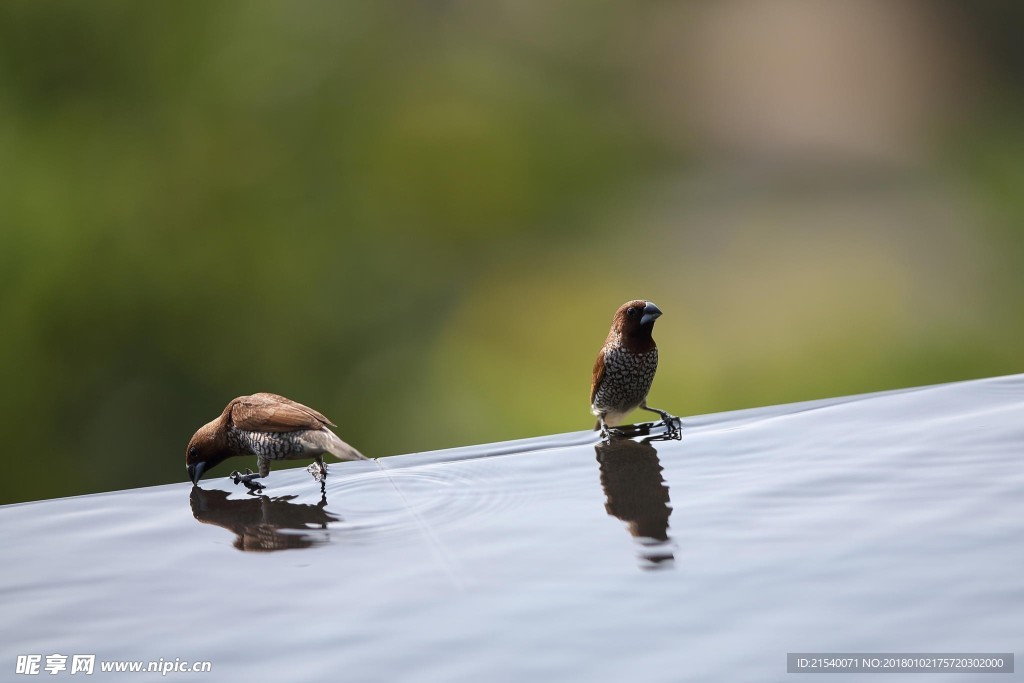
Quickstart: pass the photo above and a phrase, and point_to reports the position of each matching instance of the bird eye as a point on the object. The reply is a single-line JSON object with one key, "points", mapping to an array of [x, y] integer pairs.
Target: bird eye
{"points": [[631, 311], [192, 452]]}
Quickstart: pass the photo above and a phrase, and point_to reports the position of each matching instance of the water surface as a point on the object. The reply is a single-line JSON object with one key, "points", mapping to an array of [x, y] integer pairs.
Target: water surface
{"points": [[890, 522]]}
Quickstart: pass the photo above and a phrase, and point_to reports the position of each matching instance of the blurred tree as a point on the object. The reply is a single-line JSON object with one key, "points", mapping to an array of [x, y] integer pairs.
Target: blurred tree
{"points": [[419, 217]]}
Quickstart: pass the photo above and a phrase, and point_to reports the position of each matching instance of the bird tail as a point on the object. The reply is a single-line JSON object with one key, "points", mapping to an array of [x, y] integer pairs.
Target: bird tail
{"points": [[339, 449]]}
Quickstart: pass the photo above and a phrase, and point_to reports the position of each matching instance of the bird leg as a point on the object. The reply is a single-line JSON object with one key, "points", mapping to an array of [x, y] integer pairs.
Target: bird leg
{"points": [[606, 430], [249, 479], [670, 421]]}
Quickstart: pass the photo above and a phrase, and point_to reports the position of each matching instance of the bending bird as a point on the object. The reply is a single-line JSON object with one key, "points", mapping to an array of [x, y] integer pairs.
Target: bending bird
{"points": [[269, 426]]}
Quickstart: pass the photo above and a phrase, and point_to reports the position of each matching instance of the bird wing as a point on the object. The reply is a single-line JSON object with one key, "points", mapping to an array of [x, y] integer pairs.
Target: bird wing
{"points": [[598, 375], [272, 413]]}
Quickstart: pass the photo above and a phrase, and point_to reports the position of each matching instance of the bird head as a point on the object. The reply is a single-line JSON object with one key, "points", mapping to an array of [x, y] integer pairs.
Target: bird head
{"points": [[205, 450], [635, 318]]}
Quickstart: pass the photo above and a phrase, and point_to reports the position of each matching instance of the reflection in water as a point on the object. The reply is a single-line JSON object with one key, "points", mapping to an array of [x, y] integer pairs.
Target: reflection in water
{"points": [[637, 494], [263, 523]]}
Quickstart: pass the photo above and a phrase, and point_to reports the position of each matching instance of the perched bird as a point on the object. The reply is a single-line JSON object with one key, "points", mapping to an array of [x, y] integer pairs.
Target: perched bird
{"points": [[269, 426], [625, 366]]}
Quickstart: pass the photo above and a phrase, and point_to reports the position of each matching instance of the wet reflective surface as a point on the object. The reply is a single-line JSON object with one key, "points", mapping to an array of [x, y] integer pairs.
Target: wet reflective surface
{"points": [[635, 492], [891, 522], [264, 523]]}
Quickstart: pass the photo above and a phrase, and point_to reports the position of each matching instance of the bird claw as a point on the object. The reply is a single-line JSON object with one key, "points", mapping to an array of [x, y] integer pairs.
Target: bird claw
{"points": [[609, 432], [673, 428], [667, 419], [249, 478], [670, 422], [237, 476], [318, 471]]}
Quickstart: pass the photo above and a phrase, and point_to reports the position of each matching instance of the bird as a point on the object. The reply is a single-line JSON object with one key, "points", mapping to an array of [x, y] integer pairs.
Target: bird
{"points": [[269, 426], [625, 367]]}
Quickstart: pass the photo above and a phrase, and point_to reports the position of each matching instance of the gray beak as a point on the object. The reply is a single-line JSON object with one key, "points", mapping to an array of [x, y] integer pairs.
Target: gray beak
{"points": [[195, 472], [651, 313]]}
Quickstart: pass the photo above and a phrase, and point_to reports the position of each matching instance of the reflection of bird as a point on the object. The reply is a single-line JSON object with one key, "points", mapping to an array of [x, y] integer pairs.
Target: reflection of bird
{"points": [[625, 366], [269, 426], [257, 522], [636, 493]]}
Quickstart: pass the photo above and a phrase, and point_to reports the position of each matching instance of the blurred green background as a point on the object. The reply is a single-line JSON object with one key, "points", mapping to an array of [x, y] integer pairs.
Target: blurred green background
{"points": [[418, 217]]}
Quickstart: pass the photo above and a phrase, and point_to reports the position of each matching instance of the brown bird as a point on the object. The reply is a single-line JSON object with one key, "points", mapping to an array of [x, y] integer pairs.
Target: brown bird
{"points": [[625, 367], [269, 426]]}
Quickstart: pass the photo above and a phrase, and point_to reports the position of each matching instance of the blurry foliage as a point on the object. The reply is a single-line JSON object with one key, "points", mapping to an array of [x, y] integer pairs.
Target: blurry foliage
{"points": [[419, 217]]}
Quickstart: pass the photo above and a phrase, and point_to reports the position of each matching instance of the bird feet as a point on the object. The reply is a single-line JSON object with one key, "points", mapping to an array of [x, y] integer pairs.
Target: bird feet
{"points": [[668, 420], [608, 432], [318, 470], [673, 426], [613, 431], [671, 423], [249, 478]]}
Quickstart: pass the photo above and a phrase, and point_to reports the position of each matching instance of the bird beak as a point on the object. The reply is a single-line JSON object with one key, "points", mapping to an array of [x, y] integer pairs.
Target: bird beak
{"points": [[195, 471], [651, 313]]}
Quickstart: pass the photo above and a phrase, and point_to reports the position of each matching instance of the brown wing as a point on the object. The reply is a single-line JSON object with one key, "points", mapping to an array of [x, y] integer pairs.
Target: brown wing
{"points": [[272, 413], [598, 375]]}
